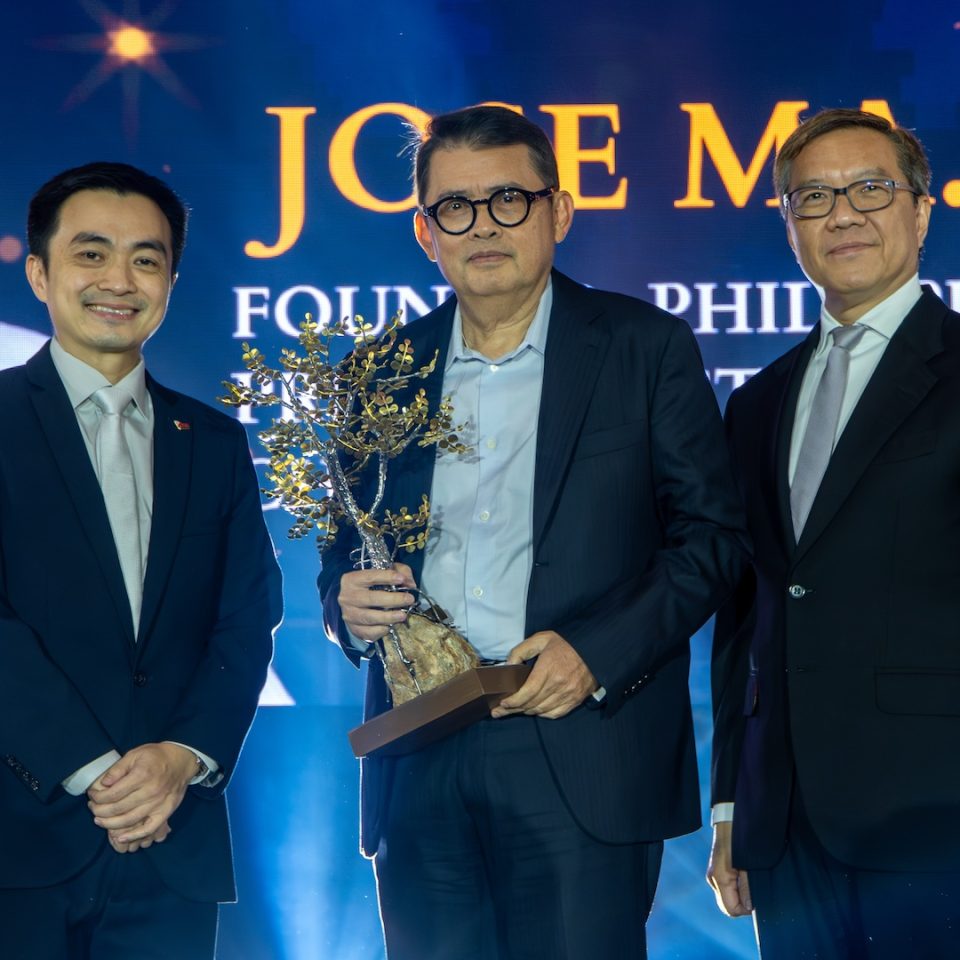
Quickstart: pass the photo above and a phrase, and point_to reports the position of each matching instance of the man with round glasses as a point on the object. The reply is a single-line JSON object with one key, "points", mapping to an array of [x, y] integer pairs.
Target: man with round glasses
{"points": [[590, 530], [837, 666]]}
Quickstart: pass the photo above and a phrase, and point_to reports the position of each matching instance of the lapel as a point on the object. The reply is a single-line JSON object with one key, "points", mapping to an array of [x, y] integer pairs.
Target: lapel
{"points": [[411, 475], [789, 370], [58, 421], [172, 462], [574, 354], [900, 382]]}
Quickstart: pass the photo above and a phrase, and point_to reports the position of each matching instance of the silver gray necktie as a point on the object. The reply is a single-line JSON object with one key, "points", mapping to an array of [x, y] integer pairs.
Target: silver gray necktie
{"points": [[821, 432], [115, 467]]}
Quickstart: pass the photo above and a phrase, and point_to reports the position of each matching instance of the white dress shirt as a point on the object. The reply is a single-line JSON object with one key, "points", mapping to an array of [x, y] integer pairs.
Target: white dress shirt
{"points": [[881, 323]]}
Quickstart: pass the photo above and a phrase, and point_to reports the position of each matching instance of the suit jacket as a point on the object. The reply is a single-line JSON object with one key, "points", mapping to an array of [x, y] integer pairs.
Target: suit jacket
{"points": [[73, 681], [839, 661], [637, 538]]}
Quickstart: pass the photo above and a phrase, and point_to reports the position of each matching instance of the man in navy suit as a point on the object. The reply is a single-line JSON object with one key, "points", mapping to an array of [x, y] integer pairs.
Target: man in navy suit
{"points": [[592, 528], [135, 620], [837, 667]]}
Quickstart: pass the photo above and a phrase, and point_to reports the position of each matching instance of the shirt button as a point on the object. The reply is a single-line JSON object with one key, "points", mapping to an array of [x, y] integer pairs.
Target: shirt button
{"points": [[491, 443], [494, 367], [478, 592], [796, 591], [484, 515]]}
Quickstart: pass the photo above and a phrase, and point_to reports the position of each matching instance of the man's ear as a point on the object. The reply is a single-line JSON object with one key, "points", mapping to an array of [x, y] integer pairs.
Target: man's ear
{"points": [[923, 219], [36, 276], [791, 239], [421, 230], [562, 215]]}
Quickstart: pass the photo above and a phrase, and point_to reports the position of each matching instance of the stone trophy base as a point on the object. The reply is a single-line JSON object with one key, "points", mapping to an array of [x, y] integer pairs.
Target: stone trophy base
{"points": [[468, 697]]}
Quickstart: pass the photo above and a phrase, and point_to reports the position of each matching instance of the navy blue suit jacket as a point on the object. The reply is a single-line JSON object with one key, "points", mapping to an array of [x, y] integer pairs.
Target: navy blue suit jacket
{"points": [[637, 537], [838, 663], [73, 682]]}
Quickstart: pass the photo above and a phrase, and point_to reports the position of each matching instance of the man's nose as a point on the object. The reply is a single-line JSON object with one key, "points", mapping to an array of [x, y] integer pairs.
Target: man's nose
{"points": [[117, 276], [485, 225], [844, 212]]}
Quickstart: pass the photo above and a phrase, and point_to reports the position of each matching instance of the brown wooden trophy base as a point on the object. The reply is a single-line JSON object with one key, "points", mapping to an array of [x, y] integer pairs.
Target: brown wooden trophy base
{"points": [[437, 713]]}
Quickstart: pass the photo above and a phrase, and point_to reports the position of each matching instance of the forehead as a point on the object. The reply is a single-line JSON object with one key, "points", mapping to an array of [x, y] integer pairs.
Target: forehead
{"points": [[469, 170], [130, 217], [845, 153]]}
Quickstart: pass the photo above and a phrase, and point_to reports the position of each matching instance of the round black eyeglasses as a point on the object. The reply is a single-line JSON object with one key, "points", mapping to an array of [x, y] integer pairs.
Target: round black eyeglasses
{"points": [[508, 207]]}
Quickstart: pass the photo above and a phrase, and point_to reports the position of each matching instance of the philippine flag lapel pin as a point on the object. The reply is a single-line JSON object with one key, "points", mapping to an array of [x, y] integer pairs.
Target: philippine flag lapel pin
{"points": [[181, 424]]}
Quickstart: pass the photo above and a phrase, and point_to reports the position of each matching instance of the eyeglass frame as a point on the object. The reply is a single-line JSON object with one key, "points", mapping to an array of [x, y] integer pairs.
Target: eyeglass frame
{"points": [[894, 185], [531, 197]]}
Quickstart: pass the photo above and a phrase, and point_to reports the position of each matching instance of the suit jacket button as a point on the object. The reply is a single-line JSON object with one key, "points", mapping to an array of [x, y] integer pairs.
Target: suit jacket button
{"points": [[139, 679], [796, 591]]}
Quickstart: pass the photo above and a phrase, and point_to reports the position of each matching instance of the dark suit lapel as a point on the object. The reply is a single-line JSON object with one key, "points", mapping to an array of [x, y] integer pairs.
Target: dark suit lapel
{"points": [[59, 424], [572, 361], [172, 460], [900, 382], [791, 368], [410, 476]]}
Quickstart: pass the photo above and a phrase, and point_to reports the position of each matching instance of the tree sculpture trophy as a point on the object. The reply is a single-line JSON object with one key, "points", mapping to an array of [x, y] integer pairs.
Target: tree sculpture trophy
{"points": [[343, 420]]}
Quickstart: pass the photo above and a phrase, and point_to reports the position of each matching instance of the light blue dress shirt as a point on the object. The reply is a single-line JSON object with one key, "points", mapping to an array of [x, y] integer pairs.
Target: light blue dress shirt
{"points": [[479, 555]]}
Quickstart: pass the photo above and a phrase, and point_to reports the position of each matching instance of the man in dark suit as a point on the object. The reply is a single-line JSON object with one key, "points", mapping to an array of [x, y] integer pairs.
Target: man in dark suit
{"points": [[837, 667], [138, 593], [592, 528]]}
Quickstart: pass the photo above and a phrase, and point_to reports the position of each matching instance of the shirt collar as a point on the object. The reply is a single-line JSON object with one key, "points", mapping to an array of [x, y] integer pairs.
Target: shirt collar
{"points": [[81, 381], [534, 339], [885, 318]]}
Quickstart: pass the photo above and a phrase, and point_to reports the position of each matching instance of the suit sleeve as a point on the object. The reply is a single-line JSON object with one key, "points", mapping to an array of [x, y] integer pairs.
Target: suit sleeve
{"points": [[730, 666], [33, 743], [647, 619], [218, 706], [334, 564]]}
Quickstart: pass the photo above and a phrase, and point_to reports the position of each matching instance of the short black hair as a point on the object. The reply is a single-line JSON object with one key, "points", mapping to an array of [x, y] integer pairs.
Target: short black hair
{"points": [[478, 128], [43, 217]]}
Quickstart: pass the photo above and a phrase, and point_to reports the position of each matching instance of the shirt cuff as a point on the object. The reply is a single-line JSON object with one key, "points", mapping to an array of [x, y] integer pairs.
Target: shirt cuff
{"points": [[721, 813], [364, 647], [80, 781]]}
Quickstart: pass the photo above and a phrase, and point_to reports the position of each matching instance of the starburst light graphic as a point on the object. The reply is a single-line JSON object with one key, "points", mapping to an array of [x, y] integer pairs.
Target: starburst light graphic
{"points": [[130, 45]]}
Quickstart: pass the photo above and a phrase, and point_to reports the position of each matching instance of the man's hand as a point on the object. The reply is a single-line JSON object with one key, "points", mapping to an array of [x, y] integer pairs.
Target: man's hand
{"points": [[158, 836], [368, 609], [141, 791], [558, 682], [730, 885]]}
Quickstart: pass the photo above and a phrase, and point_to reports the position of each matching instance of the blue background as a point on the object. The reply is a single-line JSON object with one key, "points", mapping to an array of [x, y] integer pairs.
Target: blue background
{"points": [[194, 113]]}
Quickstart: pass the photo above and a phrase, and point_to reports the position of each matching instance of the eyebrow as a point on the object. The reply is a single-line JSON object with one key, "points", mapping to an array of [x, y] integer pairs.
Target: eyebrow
{"points": [[871, 173], [87, 237], [462, 192]]}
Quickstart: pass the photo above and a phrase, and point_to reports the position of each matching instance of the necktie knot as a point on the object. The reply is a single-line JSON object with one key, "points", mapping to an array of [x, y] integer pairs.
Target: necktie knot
{"points": [[112, 400], [847, 338]]}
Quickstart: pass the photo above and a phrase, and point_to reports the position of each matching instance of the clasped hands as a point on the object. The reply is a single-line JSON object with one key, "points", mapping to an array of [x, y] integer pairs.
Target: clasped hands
{"points": [[558, 682], [135, 798]]}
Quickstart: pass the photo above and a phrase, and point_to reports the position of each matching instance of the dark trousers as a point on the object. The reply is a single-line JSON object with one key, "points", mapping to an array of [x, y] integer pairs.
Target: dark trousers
{"points": [[812, 907], [115, 909], [481, 859]]}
